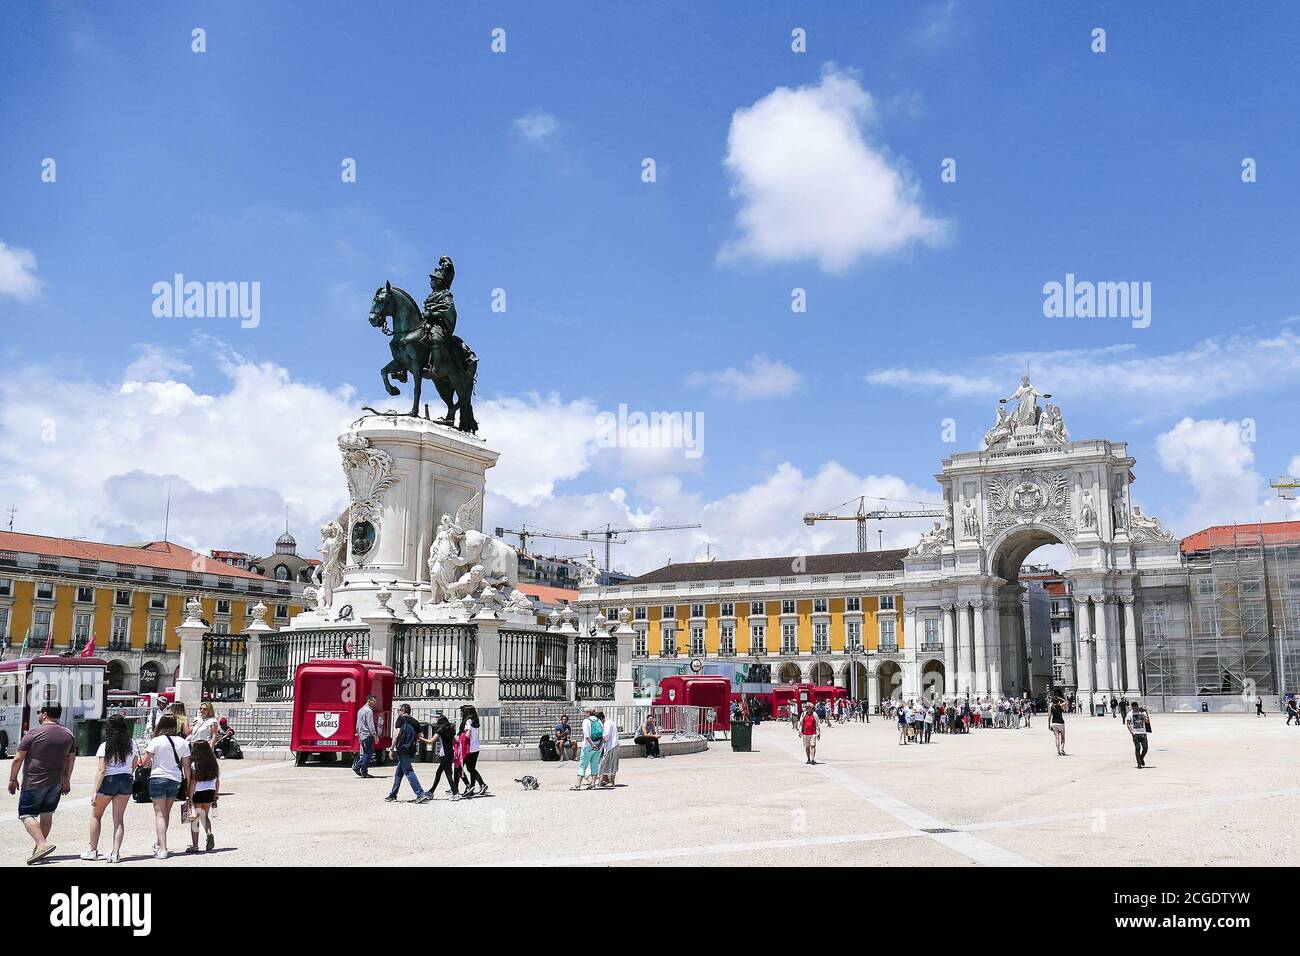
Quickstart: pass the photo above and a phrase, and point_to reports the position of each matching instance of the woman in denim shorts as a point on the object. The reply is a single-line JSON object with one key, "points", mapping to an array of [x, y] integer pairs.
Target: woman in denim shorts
{"points": [[118, 758], [168, 758]]}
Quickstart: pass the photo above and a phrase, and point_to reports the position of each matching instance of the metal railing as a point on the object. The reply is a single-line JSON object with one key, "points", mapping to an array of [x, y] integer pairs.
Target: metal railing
{"points": [[223, 665], [595, 667], [531, 665], [261, 726], [283, 651], [522, 725], [435, 661]]}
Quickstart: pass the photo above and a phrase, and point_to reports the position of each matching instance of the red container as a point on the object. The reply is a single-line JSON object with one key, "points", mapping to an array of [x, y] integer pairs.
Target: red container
{"points": [[699, 690], [327, 695]]}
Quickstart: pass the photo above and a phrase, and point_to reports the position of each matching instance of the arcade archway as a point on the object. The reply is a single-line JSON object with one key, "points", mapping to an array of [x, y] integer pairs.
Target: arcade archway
{"points": [[821, 674], [889, 680], [789, 673]]}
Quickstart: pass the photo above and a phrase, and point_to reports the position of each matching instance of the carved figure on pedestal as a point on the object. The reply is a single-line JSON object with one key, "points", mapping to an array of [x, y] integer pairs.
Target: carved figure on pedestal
{"points": [[1054, 425], [328, 575], [469, 584], [457, 545], [445, 561], [1147, 527], [970, 519], [1001, 430], [931, 542], [1087, 510], [1118, 512]]}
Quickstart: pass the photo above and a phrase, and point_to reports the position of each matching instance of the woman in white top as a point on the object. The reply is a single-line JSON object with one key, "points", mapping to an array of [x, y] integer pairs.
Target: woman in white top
{"points": [[206, 728], [168, 758], [609, 750], [117, 759], [469, 727]]}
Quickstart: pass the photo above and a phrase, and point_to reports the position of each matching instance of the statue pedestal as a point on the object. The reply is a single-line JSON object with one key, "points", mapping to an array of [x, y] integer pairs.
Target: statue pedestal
{"points": [[403, 475]]}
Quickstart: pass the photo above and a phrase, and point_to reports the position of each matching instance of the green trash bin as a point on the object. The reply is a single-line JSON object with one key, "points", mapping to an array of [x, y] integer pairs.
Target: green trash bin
{"points": [[742, 736], [90, 734]]}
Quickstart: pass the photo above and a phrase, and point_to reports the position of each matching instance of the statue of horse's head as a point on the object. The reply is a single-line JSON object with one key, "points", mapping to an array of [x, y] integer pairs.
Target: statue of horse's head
{"points": [[382, 307]]}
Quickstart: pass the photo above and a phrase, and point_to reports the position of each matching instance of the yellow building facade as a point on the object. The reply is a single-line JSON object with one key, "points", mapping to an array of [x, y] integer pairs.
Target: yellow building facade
{"points": [[130, 598]]}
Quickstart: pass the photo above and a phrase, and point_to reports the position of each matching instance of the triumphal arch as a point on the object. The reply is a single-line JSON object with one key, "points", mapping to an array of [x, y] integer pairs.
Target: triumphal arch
{"points": [[1031, 485]]}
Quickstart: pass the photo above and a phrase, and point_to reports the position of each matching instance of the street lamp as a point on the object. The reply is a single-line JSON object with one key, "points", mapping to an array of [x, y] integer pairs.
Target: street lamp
{"points": [[855, 651], [1084, 641]]}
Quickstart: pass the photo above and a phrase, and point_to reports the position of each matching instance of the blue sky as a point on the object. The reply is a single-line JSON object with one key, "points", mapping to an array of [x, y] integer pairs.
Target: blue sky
{"points": [[526, 167]]}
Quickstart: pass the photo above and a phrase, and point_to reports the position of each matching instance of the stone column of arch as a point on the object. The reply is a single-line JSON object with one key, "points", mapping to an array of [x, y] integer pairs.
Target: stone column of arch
{"points": [[911, 662], [1105, 653], [1133, 680], [1026, 670], [965, 668], [949, 649], [981, 681], [1085, 674]]}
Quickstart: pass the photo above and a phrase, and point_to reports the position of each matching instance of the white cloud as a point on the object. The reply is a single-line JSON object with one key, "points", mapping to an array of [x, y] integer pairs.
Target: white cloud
{"points": [[1210, 370], [810, 184], [760, 378], [536, 126], [1212, 456], [18, 273]]}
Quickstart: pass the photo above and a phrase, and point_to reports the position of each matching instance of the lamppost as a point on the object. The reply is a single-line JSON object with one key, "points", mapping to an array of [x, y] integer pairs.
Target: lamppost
{"points": [[1085, 640], [855, 651]]}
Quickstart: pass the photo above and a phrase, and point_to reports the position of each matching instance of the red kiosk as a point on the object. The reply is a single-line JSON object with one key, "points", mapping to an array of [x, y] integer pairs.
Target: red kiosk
{"points": [[711, 691], [327, 693]]}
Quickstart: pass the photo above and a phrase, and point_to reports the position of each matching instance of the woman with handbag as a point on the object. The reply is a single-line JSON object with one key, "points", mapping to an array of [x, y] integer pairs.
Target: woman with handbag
{"points": [[116, 762], [444, 748], [167, 758]]}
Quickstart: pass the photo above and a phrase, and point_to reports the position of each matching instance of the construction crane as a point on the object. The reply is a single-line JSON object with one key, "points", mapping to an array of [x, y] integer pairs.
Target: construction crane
{"points": [[610, 534], [1285, 486], [862, 516], [525, 533]]}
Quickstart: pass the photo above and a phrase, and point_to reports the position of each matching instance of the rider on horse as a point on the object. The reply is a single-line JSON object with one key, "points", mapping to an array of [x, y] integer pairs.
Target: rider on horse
{"points": [[439, 314]]}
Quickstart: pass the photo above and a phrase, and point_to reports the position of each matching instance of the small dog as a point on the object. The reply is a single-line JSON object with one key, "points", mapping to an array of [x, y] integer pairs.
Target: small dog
{"points": [[529, 782]]}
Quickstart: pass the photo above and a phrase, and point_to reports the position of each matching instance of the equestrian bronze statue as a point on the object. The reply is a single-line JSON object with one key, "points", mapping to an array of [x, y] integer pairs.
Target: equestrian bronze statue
{"points": [[425, 345]]}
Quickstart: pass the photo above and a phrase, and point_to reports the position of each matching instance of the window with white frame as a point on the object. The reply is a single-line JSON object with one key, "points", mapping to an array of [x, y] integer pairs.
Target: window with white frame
{"points": [[697, 642], [41, 621], [158, 602], [6, 587], [639, 644], [221, 627], [1205, 586], [668, 642], [85, 595], [727, 641], [282, 610], [789, 638], [122, 598], [121, 633], [758, 638], [853, 604], [819, 605], [1210, 620], [888, 632], [787, 607], [728, 609], [887, 602], [223, 606], [1057, 672], [639, 612], [697, 610], [853, 633], [821, 637], [81, 627], [157, 632], [757, 607], [670, 612], [45, 590], [932, 631]]}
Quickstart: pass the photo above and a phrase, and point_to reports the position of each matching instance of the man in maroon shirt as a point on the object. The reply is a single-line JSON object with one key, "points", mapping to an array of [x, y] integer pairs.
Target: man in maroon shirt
{"points": [[45, 755]]}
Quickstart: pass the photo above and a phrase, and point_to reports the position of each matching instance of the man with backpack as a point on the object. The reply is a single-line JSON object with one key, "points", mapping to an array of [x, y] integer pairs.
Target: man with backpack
{"points": [[405, 745], [1139, 725], [593, 740]]}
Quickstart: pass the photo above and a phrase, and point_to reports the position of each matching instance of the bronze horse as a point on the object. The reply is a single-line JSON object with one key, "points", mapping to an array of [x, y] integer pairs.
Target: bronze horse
{"points": [[447, 362]]}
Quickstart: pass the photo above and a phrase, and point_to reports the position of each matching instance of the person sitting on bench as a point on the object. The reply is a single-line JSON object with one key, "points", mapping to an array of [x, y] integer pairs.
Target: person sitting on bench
{"points": [[564, 741]]}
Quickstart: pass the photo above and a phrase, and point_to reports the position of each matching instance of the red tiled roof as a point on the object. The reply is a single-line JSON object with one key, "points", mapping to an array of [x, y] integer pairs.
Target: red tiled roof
{"points": [[549, 595], [1228, 535], [163, 555]]}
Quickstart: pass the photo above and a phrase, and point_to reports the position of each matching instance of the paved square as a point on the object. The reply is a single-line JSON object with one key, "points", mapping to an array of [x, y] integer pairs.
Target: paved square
{"points": [[1219, 790]]}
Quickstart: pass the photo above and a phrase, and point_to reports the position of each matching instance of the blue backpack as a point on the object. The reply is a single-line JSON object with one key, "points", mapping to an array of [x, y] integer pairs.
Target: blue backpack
{"points": [[597, 732]]}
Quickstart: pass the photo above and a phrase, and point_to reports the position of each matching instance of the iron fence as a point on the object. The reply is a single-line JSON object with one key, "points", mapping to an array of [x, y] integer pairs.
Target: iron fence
{"points": [[531, 665], [524, 724], [261, 726], [223, 663], [435, 661], [283, 651], [595, 667]]}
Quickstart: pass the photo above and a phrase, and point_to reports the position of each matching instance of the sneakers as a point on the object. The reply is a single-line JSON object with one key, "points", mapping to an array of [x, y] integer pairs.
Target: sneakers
{"points": [[423, 798], [482, 789], [391, 798], [212, 842], [159, 853], [91, 854], [191, 849], [114, 858]]}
